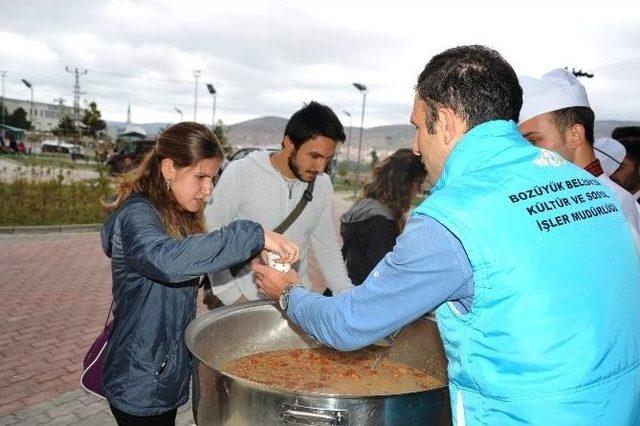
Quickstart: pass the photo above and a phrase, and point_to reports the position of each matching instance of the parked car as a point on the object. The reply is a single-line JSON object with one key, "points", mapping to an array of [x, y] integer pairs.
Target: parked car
{"points": [[129, 156], [76, 152]]}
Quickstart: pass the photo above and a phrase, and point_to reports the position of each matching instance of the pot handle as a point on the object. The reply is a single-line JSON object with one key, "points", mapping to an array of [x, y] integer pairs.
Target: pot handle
{"points": [[312, 415]]}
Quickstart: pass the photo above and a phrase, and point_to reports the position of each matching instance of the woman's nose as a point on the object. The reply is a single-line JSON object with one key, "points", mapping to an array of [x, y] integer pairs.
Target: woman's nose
{"points": [[208, 187]]}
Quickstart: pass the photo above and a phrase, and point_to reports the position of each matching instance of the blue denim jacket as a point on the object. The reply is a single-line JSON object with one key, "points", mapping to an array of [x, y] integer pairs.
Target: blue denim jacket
{"points": [[155, 283]]}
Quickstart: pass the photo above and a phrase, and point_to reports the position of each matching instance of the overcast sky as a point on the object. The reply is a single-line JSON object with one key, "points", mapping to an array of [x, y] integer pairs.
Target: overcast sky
{"points": [[268, 57]]}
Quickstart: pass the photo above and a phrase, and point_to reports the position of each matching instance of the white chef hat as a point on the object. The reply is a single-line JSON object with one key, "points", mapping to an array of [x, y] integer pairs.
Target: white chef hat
{"points": [[610, 152], [556, 90]]}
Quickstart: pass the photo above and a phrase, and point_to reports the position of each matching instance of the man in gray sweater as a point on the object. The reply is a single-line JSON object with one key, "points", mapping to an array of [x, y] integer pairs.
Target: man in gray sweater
{"points": [[266, 187]]}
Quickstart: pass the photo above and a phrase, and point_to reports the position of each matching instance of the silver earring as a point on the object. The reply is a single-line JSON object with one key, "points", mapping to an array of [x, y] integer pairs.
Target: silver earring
{"points": [[168, 184]]}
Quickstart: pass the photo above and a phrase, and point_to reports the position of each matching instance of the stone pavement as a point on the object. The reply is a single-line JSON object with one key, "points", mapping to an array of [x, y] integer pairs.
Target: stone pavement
{"points": [[55, 291]]}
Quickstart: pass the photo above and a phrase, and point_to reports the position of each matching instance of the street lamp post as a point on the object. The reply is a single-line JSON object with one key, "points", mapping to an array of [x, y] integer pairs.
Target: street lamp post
{"points": [[348, 114], [213, 92], [30, 86], [196, 74], [179, 111], [3, 73], [362, 89]]}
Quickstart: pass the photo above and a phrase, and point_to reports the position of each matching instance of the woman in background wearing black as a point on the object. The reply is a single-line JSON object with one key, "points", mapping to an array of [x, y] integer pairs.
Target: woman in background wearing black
{"points": [[370, 228]]}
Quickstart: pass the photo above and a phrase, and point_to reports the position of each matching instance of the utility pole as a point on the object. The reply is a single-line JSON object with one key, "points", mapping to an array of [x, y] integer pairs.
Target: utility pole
{"points": [[213, 92], [60, 103], [362, 89], [3, 73], [348, 114], [76, 94], [179, 111], [196, 74], [30, 86]]}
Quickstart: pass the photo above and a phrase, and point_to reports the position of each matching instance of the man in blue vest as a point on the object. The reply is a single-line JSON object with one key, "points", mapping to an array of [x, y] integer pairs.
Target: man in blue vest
{"points": [[530, 264]]}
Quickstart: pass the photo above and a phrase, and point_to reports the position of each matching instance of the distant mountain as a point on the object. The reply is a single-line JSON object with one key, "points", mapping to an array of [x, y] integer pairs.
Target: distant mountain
{"points": [[268, 131], [264, 131]]}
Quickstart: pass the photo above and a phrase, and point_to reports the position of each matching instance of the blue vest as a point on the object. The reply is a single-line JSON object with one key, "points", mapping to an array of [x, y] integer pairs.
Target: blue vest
{"points": [[553, 336]]}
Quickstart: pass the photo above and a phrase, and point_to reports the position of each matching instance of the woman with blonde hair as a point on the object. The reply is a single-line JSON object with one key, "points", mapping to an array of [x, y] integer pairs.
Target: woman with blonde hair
{"points": [[156, 238]]}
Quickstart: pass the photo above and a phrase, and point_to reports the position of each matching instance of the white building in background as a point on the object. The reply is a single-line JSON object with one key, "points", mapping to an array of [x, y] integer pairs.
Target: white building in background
{"points": [[131, 130], [45, 116]]}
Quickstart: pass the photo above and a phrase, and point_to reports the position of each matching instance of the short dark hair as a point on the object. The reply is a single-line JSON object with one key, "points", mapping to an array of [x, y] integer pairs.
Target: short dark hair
{"points": [[474, 81], [626, 133], [567, 117], [314, 120], [629, 136]]}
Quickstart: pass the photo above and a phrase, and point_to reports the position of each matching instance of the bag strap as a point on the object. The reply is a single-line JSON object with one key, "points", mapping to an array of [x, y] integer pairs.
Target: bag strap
{"points": [[286, 223], [106, 322], [297, 210]]}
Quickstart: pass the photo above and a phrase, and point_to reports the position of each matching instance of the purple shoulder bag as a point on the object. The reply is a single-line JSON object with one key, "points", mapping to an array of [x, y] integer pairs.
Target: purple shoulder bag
{"points": [[91, 379]]}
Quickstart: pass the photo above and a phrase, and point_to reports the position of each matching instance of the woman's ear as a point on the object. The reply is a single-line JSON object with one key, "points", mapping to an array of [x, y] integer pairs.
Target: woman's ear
{"points": [[168, 169]]}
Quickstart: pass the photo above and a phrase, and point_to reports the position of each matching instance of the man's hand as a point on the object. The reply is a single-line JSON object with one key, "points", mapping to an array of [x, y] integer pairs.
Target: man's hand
{"points": [[270, 282]]}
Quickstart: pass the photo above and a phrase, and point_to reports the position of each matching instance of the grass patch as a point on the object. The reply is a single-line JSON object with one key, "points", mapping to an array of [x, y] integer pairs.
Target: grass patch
{"points": [[60, 160], [52, 200], [339, 185]]}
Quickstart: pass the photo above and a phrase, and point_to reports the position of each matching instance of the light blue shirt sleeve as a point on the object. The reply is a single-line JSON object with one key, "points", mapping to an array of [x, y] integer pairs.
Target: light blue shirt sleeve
{"points": [[427, 267]]}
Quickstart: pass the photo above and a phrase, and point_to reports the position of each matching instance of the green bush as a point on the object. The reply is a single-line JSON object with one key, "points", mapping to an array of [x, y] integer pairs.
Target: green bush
{"points": [[46, 197]]}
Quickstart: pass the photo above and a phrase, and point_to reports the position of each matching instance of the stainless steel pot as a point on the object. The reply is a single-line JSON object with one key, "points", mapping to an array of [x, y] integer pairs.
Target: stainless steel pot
{"points": [[225, 334]]}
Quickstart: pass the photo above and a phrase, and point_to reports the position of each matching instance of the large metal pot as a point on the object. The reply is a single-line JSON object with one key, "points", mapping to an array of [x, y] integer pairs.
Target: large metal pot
{"points": [[232, 332]]}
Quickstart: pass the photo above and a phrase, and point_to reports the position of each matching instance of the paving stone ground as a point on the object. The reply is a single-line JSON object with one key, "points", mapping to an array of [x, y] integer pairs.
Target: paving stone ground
{"points": [[55, 291]]}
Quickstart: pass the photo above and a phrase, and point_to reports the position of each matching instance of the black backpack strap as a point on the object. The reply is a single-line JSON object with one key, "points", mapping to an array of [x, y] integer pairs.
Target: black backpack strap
{"points": [[297, 210], [286, 223]]}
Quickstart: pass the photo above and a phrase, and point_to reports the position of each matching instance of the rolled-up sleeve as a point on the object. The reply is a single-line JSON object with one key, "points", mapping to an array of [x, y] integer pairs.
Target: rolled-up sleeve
{"points": [[427, 267]]}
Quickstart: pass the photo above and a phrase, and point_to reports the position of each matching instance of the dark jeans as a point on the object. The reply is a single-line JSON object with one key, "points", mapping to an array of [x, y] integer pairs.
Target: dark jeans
{"points": [[124, 419]]}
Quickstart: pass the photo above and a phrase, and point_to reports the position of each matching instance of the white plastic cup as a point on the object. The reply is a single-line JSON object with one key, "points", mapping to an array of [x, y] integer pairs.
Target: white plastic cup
{"points": [[274, 262]]}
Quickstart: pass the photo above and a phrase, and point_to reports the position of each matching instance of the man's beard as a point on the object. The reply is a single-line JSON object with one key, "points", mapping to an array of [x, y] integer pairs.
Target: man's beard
{"points": [[294, 167]]}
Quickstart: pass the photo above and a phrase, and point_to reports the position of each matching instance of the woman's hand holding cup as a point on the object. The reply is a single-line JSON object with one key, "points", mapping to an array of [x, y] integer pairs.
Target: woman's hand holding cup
{"points": [[288, 251]]}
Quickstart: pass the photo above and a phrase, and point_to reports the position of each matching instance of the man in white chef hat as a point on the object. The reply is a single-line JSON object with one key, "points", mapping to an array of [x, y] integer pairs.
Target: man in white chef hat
{"points": [[556, 116], [610, 153]]}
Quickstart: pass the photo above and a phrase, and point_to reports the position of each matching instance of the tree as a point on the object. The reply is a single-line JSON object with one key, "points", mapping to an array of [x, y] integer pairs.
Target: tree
{"points": [[221, 133], [18, 118], [66, 127], [5, 115], [93, 121]]}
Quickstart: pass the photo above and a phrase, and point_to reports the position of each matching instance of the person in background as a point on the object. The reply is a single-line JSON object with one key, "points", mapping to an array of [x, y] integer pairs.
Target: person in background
{"points": [[628, 176], [538, 310], [611, 154], [556, 116], [156, 239], [370, 227], [266, 187]]}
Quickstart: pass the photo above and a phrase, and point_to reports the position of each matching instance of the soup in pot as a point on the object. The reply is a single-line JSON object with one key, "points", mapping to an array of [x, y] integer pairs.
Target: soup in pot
{"points": [[323, 370]]}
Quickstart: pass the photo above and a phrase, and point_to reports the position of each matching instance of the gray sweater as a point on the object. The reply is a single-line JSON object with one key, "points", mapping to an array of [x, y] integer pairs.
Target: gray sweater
{"points": [[251, 188]]}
